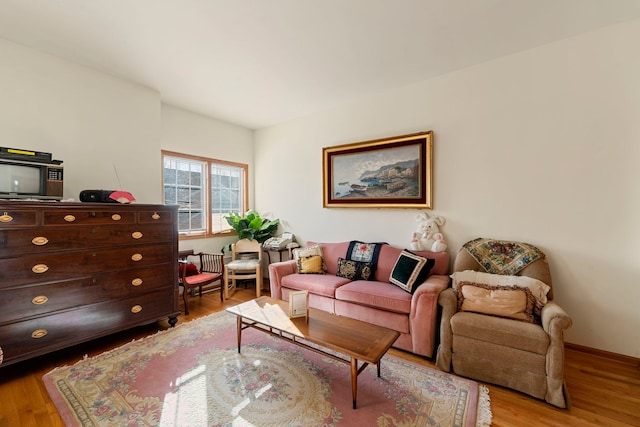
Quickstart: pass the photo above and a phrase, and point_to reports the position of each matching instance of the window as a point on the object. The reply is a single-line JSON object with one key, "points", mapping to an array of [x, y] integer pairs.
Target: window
{"points": [[205, 190]]}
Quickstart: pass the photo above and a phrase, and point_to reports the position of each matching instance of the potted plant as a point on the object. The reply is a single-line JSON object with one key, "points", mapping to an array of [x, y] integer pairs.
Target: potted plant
{"points": [[251, 226]]}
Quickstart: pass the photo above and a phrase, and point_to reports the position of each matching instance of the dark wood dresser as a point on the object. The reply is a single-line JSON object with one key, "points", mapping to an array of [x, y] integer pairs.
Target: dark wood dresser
{"points": [[71, 272]]}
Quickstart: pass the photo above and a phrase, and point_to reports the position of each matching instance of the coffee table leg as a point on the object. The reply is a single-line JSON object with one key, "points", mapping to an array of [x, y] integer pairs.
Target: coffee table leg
{"points": [[379, 367], [239, 326], [354, 380]]}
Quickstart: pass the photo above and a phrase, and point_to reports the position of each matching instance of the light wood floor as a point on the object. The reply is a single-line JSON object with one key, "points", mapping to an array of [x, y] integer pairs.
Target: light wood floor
{"points": [[604, 392]]}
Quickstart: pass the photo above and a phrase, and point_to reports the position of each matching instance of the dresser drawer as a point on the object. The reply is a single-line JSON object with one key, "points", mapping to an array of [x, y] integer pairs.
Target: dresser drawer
{"points": [[55, 267], [13, 218], [41, 240], [36, 300], [38, 336], [87, 217], [159, 216]]}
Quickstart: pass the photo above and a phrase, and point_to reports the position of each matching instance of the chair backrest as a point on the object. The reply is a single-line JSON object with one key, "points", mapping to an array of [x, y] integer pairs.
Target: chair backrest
{"points": [[211, 263], [246, 246], [538, 269]]}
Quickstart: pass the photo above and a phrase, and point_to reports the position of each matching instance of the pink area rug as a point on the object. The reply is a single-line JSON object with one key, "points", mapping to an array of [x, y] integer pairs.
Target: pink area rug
{"points": [[192, 375]]}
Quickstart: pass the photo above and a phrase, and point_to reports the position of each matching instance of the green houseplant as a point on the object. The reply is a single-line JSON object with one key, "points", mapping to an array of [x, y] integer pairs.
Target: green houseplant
{"points": [[251, 226]]}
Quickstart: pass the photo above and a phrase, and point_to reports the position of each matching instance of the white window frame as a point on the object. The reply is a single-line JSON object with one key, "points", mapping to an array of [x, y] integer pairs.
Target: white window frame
{"points": [[214, 223]]}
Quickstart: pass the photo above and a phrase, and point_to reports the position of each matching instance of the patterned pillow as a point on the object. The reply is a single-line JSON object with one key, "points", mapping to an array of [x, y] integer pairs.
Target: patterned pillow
{"points": [[410, 271], [502, 301], [354, 270], [361, 251], [538, 288], [315, 250], [310, 265]]}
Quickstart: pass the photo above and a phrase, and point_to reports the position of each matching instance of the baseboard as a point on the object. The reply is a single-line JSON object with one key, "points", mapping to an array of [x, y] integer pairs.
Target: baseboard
{"points": [[628, 360]]}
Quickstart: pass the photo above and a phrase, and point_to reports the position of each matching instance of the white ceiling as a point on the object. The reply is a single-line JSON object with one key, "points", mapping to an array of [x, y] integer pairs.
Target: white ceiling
{"points": [[257, 63]]}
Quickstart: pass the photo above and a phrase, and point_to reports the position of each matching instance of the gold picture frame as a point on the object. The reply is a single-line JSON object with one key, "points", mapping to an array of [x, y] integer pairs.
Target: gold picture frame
{"points": [[394, 172]]}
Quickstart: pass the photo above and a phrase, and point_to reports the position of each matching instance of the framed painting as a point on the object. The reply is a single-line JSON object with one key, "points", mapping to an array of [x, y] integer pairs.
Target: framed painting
{"points": [[392, 172]]}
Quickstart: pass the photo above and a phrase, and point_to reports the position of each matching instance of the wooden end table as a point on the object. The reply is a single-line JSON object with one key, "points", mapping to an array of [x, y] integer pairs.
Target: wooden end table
{"points": [[350, 337]]}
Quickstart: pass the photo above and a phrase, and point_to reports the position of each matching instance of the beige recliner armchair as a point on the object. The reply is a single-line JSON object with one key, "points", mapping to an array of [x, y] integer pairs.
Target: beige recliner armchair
{"points": [[525, 356]]}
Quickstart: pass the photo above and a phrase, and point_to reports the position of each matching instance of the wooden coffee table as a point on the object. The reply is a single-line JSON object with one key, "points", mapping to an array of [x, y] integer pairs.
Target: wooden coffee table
{"points": [[359, 341]]}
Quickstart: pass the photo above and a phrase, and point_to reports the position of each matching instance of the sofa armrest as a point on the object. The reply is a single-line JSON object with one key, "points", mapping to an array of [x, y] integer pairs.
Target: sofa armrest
{"points": [[423, 319], [448, 300], [277, 271], [554, 322]]}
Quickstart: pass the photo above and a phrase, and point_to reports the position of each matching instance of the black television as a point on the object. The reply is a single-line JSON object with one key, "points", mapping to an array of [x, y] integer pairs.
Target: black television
{"points": [[30, 180]]}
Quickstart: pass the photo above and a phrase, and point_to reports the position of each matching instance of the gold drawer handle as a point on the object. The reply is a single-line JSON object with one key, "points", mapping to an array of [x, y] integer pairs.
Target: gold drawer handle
{"points": [[136, 282], [69, 218], [155, 215], [6, 218], [136, 235], [40, 241], [116, 217], [39, 333], [136, 309], [39, 300], [136, 257], [40, 268]]}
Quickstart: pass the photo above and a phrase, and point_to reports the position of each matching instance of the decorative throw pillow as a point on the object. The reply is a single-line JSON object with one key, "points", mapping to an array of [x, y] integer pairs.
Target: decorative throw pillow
{"points": [[189, 269], [354, 270], [364, 252], [410, 271], [310, 265], [502, 301], [538, 288], [315, 250]]}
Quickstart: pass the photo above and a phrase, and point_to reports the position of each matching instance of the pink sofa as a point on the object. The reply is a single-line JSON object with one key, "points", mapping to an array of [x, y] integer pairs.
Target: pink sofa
{"points": [[415, 315]]}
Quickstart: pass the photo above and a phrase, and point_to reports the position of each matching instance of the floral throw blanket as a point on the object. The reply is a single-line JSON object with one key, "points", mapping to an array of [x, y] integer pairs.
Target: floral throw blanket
{"points": [[502, 257]]}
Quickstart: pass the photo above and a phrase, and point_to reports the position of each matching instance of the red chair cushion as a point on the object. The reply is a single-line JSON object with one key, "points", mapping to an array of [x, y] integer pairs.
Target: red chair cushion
{"points": [[202, 278]]}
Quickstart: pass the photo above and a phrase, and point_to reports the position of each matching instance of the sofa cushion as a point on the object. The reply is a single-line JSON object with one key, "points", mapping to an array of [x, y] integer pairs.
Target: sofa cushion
{"points": [[355, 270], [504, 301], [497, 330], [410, 271], [375, 294], [319, 284], [389, 319]]}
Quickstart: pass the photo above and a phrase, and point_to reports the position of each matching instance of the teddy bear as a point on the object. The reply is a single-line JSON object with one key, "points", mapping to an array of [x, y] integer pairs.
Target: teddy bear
{"points": [[428, 236]]}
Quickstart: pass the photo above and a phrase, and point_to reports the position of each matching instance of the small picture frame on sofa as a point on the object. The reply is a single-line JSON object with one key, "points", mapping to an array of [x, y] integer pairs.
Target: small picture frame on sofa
{"points": [[299, 304]]}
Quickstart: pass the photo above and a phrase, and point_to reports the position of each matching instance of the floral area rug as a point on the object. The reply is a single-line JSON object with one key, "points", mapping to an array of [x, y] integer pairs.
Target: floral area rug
{"points": [[192, 375]]}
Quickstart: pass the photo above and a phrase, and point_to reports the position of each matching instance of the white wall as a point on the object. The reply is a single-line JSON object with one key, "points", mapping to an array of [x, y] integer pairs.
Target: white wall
{"points": [[99, 124], [541, 147], [190, 133], [90, 120]]}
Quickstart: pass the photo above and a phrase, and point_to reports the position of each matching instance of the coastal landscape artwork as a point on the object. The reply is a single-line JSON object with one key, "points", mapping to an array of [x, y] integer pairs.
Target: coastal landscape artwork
{"points": [[391, 172]]}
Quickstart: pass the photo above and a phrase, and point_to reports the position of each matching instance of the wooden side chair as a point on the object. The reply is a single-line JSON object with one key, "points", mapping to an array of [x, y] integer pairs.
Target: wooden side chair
{"points": [[211, 271], [246, 263]]}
